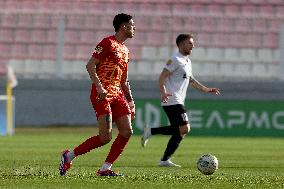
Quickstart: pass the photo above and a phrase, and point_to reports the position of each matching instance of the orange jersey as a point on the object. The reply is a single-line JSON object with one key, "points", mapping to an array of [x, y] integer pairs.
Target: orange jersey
{"points": [[114, 58]]}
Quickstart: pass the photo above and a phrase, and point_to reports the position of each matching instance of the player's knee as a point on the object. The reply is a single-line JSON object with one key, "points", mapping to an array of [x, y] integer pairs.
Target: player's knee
{"points": [[105, 138], [184, 130], [126, 133]]}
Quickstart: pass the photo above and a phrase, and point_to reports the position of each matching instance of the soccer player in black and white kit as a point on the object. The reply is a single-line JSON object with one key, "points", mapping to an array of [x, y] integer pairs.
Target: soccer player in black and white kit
{"points": [[173, 83]]}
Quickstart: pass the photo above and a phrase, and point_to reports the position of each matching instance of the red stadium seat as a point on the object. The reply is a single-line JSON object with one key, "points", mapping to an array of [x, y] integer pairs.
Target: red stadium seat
{"points": [[160, 23], [22, 35], [38, 36], [215, 9], [232, 10], [266, 10], [51, 36], [35, 51], [270, 41], [226, 24], [75, 22], [6, 35], [19, 51], [9, 20], [248, 10], [5, 50], [49, 52], [280, 11], [87, 37], [135, 53], [92, 22], [41, 21], [243, 25], [70, 52], [25, 20], [260, 25], [72, 36]]}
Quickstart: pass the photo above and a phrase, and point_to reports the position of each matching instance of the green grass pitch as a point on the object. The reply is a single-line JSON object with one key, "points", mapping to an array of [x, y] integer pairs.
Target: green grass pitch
{"points": [[30, 159]]}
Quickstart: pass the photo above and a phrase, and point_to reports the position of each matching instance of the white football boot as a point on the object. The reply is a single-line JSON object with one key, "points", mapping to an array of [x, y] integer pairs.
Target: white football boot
{"points": [[146, 135], [167, 163]]}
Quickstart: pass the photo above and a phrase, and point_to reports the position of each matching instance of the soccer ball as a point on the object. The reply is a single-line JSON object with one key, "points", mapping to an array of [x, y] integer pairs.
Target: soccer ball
{"points": [[207, 164]]}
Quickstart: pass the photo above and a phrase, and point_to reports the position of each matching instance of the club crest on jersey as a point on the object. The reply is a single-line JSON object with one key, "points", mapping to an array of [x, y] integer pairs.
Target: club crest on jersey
{"points": [[98, 49], [169, 62]]}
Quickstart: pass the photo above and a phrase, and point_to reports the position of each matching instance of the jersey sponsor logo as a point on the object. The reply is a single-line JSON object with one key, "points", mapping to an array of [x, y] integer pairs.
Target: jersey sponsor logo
{"points": [[169, 62], [98, 49]]}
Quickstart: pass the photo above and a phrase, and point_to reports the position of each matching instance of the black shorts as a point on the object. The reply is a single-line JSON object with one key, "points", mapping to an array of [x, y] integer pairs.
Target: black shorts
{"points": [[176, 114]]}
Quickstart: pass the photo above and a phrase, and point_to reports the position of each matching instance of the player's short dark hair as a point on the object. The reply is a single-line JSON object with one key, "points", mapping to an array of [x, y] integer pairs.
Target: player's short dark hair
{"points": [[181, 37], [119, 19]]}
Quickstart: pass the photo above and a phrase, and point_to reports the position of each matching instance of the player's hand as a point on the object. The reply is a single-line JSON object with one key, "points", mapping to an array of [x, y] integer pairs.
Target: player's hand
{"points": [[132, 108], [102, 93], [165, 97], [215, 91]]}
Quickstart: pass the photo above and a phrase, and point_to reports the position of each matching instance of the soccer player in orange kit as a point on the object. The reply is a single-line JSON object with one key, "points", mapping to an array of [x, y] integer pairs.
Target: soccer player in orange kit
{"points": [[110, 96]]}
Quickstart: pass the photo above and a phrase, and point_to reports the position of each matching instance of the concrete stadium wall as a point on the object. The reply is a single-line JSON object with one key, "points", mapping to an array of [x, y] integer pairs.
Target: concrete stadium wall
{"points": [[41, 102]]}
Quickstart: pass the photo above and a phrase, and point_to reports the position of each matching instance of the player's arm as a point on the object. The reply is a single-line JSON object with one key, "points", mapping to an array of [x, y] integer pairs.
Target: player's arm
{"points": [[125, 86], [91, 68], [197, 85], [162, 79]]}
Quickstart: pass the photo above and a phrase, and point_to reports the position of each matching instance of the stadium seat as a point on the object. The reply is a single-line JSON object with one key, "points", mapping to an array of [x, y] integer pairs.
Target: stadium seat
{"points": [[164, 53], [51, 36], [248, 55], [142, 23], [22, 35], [87, 36], [25, 20], [35, 51], [232, 54], [19, 51], [135, 53], [215, 54], [84, 52], [215, 9], [232, 10], [41, 21], [160, 23], [5, 50], [274, 25], [6, 35], [248, 10], [71, 36], [264, 55], [199, 53], [280, 11], [158, 38], [92, 22], [253, 40], [69, 52], [260, 25], [266, 10], [244, 25], [164, 9], [149, 53], [270, 41], [49, 52], [9, 20], [38, 36], [225, 25], [75, 22]]}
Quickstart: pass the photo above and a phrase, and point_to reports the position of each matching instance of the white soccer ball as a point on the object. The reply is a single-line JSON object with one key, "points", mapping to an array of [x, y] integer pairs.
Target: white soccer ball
{"points": [[207, 164]]}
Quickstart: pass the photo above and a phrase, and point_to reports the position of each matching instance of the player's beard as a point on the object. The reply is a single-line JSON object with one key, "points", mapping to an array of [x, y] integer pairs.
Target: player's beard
{"points": [[187, 52]]}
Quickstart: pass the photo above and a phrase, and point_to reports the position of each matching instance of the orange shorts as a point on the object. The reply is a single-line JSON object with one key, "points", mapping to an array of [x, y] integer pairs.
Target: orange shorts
{"points": [[117, 106]]}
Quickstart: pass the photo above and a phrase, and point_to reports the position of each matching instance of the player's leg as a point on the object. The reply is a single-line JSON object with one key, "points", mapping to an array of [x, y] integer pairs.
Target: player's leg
{"points": [[104, 116], [122, 118], [178, 119]]}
